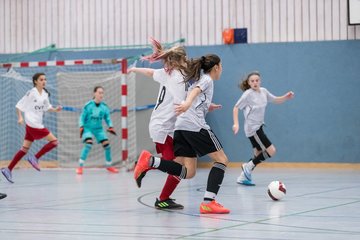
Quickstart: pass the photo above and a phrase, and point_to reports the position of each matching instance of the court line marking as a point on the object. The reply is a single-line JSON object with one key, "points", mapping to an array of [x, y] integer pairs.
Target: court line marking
{"points": [[260, 221]]}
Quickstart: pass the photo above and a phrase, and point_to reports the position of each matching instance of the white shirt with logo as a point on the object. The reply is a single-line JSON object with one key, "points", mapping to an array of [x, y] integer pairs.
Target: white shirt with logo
{"points": [[194, 118], [34, 104], [253, 104], [172, 91]]}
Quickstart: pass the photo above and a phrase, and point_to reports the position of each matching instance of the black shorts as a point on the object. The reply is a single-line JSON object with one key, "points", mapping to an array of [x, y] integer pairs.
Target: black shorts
{"points": [[192, 144], [260, 141]]}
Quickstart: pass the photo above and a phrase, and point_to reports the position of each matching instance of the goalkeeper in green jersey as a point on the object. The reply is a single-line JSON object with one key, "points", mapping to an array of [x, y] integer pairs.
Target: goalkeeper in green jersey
{"points": [[90, 123]]}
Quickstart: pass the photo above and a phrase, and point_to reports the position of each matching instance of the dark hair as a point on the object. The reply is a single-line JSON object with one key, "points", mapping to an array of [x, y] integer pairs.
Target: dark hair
{"points": [[244, 84], [194, 66], [96, 88], [36, 77]]}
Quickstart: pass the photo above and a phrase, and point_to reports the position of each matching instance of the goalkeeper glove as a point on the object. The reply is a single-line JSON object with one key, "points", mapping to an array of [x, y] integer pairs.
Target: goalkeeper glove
{"points": [[81, 131], [112, 131]]}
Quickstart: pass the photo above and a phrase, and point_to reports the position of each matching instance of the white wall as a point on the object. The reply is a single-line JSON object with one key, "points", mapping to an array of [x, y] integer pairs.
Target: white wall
{"points": [[28, 25]]}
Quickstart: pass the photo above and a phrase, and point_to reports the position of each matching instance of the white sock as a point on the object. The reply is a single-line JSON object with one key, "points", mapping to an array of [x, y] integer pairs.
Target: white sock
{"points": [[81, 162], [208, 196], [156, 162], [251, 165]]}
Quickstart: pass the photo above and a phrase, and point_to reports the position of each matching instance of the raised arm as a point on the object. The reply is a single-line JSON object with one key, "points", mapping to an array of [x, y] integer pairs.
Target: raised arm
{"points": [[149, 72], [285, 97]]}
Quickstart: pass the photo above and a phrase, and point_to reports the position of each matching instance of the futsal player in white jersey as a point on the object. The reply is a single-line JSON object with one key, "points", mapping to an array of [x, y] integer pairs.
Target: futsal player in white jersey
{"points": [[253, 104], [162, 121], [193, 136], [34, 104]]}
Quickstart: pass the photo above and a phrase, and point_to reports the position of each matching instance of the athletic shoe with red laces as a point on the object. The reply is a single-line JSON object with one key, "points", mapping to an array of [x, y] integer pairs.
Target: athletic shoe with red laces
{"points": [[142, 166], [33, 161], [212, 207], [79, 170], [112, 170]]}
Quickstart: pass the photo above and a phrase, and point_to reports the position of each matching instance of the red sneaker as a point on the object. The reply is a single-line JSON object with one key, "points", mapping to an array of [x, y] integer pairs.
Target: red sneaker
{"points": [[112, 170], [142, 166], [79, 170], [212, 207]]}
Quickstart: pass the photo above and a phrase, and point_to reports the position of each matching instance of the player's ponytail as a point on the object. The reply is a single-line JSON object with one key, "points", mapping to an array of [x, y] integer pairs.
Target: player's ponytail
{"points": [[205, 63], [244, 84], [36, 77], [174, 58], [158, 51]]}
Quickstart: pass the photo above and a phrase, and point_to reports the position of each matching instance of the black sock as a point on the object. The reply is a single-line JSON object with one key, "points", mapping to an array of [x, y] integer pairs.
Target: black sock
{"points": [[215, 179], [172, 168], [261, 157]]}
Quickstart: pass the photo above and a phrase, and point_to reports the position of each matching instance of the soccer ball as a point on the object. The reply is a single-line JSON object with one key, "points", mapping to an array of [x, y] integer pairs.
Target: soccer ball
{"points": [[276, 190]]}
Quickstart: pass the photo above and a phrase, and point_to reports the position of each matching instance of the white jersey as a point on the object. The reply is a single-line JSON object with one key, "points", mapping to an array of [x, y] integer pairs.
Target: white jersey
{"points": [[194, 118], [253, 104], [34, 104], [172, 91]]}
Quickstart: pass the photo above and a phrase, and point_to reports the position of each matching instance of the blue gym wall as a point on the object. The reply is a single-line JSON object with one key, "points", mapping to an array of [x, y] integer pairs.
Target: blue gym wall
{"points": [[322, 122]]}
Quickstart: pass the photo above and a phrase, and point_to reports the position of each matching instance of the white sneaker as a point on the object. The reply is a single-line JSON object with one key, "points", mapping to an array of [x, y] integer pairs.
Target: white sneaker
{"points": [[241, 177], [247, 170], [243, 180]]}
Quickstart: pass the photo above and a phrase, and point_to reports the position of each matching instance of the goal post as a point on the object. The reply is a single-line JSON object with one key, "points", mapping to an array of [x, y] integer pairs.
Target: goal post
{"points": [[71, 83]]}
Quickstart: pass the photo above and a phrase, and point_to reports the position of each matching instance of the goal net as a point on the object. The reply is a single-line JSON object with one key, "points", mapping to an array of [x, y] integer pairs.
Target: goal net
{"points": [[71, 86]]}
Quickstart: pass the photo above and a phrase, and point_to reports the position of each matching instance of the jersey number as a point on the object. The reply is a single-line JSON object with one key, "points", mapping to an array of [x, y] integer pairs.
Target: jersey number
{"points": [[161, 97]]}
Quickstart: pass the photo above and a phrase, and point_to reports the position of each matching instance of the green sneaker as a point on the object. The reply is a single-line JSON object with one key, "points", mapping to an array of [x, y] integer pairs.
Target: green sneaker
{"points": [[168, 204]]}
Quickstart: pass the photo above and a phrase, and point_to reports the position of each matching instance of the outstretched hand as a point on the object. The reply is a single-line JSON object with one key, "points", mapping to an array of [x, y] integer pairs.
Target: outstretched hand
{"points": [[58, 108], [21, 121], [130, 70], [235, 128], [181, 108], [214, 106], [290, 95]]}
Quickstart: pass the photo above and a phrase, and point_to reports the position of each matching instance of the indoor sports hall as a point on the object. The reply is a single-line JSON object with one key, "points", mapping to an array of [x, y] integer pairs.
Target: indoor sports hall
{"points": [[65, 65]]}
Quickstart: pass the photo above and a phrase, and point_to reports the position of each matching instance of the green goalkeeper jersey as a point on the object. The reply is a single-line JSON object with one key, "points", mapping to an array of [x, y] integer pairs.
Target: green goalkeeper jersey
{"points": [[93, 114]]}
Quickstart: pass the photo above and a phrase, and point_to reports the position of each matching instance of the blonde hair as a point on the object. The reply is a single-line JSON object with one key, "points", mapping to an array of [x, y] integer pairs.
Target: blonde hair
{"points": [[244, 84], [173, 58]]}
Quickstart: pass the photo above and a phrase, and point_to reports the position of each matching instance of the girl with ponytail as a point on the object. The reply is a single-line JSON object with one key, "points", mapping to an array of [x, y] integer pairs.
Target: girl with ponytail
{"points": [[193, 136], [34, 104], [162, 121]]}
